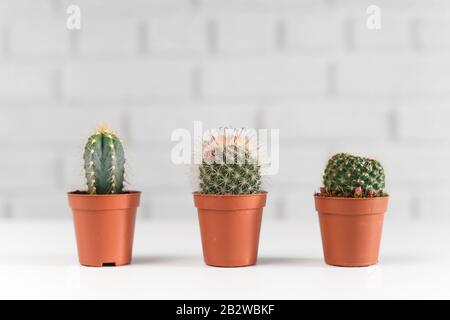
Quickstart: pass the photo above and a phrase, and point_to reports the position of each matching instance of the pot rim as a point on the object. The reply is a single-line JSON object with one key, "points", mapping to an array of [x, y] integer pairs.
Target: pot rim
{"points": [[129, 192], [351, 206], [352, 199], [229, 202], [196, 193]]}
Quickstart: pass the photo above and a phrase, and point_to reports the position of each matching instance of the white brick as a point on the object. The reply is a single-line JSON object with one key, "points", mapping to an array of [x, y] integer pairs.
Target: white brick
{"points": [[328, 120], [37, 37], [73, 173], [395, 77], [51, 126], [11, 9], [154, 168], [388, 6], [41, 205], [299, 205], [127, 80], [25, 83], [425, 120], [434, 33], [178, 34], [3, 208], [122, 8], [395, 33], [3, 40], [105, 38], [262, 5], [144, 128], [315, 32], [172, 205], [25, 170], [300, 165], [246, 33], [264, 77], [274, 204], [433, 203], [402, 204]]}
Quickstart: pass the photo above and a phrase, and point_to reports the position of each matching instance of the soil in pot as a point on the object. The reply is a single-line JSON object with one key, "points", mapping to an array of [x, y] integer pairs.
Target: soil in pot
{"points": [[351, 229], [230, 227], [104, 227]]}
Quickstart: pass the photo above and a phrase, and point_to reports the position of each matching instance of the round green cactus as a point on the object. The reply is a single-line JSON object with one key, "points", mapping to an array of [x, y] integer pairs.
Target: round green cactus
{"points": [[351, 176], [104, 161], [229, 168]]}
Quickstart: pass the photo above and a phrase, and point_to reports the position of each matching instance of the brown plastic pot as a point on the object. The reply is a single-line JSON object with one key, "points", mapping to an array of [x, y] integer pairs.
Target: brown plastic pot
{"points": [[104, 227], [351, 229], [230, 227]]}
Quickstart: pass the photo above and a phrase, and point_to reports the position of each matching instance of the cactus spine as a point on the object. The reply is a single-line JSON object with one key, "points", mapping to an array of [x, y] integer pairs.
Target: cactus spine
{"points": [[351, 176], [229, 165], [104, 161]]}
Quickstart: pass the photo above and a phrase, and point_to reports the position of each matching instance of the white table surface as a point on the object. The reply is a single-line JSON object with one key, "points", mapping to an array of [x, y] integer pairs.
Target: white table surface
{"points": [[38, 260]]}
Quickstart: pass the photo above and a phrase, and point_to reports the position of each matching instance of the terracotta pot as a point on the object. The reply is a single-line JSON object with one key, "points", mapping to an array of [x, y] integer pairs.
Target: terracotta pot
{"points": [[229, 227], [104, 227], [351, 229]]}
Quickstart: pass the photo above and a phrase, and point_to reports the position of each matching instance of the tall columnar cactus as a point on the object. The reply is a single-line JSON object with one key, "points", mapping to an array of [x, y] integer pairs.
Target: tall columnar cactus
{"points": [[351, 176], [104, 161], [229, 165]]}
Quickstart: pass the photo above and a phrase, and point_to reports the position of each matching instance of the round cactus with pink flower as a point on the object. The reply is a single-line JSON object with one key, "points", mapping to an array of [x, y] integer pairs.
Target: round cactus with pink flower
{"points": [[347, 175]]}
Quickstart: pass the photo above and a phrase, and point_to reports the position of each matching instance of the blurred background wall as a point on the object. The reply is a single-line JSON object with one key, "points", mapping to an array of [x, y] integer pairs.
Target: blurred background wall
{"points": [[308, 67]]}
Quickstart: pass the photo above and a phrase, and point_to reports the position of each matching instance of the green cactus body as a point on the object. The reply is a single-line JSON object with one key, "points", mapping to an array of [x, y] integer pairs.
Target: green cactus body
{"points": [[345, 173], [237, 172], [104, 161]]}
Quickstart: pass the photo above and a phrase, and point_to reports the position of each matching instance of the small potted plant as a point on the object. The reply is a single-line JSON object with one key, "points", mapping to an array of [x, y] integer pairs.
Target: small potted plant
{"points": [[351, 207], [229, 200], [104, 215]]}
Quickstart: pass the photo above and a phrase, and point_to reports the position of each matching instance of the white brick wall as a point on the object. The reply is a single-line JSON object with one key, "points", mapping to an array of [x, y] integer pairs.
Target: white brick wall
{"points": [[299, 120], [265, 77], [28, 171], [246, 33], [39, 38], [395, 33], [424, 120], [108, 38], [127, 80], [52, 126], [394, 76], [322, 32], [178, 34], [308, 67], [434, 33], [144, 128], [25, 83]]}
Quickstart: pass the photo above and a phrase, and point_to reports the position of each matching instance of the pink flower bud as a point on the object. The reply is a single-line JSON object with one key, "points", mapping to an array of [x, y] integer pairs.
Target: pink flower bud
{"points": [[358, 192]]}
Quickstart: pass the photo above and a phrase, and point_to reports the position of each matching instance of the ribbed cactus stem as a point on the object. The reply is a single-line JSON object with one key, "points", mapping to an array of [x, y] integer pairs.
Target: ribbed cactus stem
{"points": [[104, 162]]}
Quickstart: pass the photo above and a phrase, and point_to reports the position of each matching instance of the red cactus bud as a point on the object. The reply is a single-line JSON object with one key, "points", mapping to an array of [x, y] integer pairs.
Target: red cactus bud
{"points": [[370, 193], [358, 192], [323, 191]]}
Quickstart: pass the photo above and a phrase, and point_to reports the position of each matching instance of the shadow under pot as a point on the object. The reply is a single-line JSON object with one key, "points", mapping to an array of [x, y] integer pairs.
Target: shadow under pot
{"points": [[104, 227], [351, 229], [230, 227]]}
